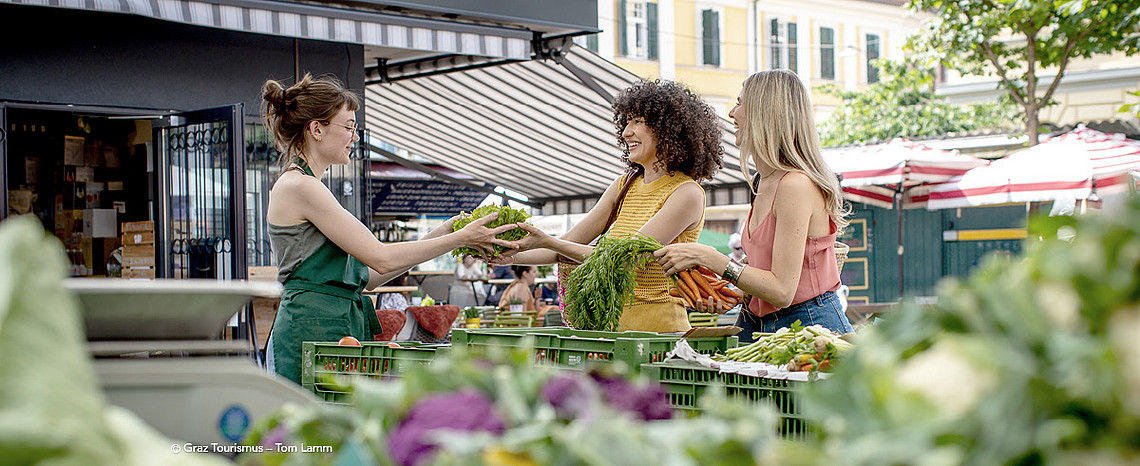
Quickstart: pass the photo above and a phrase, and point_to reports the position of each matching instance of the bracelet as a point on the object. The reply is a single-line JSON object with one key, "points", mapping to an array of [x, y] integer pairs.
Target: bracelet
{"points": [[732, 271]]}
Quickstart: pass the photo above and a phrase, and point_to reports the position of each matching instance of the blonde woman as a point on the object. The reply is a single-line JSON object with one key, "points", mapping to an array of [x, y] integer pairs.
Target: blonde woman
{"points": [[789, 237]]}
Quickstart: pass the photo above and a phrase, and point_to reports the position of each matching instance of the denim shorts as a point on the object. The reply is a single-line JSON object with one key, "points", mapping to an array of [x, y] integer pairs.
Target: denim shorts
{"points": [[823, 309]]}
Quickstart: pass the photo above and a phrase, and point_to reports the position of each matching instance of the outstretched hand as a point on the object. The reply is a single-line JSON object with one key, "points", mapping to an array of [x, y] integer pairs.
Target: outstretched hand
{"points": [[477, 236]]}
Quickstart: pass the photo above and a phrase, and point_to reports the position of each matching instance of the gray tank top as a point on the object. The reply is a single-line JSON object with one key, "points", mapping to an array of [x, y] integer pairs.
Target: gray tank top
{"points": [[292, 244]]}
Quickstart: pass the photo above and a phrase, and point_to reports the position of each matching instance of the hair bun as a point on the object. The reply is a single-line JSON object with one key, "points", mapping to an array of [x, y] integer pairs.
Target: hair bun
{"points": [[274, 95]]}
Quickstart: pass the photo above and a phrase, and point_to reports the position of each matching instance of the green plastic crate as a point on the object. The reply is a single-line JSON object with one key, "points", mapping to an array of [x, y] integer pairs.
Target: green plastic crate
{"points": [[321, 360], [685, 382], [572, 348]]}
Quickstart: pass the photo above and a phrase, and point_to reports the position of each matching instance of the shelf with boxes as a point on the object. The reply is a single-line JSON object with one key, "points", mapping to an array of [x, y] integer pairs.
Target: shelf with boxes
{"points": [[138, 249]]}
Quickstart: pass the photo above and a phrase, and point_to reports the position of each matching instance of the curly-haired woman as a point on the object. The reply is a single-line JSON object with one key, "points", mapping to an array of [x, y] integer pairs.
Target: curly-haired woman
{"points": [[325, 255], [670, 139], [789, 238]]}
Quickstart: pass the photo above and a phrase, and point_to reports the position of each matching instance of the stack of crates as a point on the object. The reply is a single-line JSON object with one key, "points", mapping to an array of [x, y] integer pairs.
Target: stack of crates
{"points": [[322, 361], [685, 382], [138, 249], [570, 348]]}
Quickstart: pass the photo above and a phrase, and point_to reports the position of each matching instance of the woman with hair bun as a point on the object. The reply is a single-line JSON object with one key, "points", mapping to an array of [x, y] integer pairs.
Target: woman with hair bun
{"points": [[789, 238], [325, 256], [670, 140]]}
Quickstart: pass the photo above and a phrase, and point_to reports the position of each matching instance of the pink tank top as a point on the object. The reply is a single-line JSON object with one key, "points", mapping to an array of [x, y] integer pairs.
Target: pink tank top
{"points": [[819, 273]]}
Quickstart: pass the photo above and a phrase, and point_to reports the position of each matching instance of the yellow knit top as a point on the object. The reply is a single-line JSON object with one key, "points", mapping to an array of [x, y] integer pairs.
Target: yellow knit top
{"points": [[653, 310]]}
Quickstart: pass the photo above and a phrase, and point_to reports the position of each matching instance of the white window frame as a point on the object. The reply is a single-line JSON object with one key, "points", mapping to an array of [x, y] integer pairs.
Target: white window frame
{"points": [[782, 34], [636, 27], [863, 46], [699, 27]]}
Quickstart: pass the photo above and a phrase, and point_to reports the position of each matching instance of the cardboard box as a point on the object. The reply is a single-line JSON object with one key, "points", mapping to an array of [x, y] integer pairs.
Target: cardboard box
{"points": [[100, 223], [138, 272], [146, 225], [138, 261], [138, 237], [136, 250]]}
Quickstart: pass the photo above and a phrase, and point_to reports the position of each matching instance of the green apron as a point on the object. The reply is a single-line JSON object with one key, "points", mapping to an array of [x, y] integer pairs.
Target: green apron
{"points": [[321, 302]]}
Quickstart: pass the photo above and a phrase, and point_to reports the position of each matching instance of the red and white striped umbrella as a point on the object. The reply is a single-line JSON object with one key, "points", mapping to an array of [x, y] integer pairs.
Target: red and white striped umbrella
{"points": [[1068, 166], [874, 174]]}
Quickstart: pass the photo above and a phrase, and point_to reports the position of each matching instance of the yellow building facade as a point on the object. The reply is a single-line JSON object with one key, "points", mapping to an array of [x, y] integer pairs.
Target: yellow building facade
{"points": [[713, 45]]}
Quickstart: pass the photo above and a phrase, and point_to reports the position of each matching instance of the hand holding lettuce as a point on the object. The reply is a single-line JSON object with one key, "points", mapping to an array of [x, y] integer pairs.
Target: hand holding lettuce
{"points": [[507, 215]]}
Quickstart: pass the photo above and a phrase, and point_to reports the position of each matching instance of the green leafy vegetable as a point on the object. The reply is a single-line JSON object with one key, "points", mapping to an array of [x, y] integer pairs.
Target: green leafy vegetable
{"points": [[598, 290], [507, 215]]}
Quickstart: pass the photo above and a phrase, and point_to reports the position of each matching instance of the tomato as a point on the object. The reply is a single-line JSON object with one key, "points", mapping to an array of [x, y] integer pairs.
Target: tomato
{"points": [[349, 341]]}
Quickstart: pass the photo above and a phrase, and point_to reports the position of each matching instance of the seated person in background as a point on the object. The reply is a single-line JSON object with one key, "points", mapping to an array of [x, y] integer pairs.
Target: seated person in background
{"points": [[519, 290], [397, 301], [495, 291], [546, 293], [471, 272]]}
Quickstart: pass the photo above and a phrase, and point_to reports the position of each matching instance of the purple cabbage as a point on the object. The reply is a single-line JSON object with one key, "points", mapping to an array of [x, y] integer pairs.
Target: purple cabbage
{"points": [[570, 396], [647, 402], [465, 410]]}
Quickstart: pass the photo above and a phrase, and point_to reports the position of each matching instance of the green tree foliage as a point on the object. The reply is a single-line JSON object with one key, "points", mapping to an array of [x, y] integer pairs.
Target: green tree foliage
{"points": [[1017, 40], [903, 104]]}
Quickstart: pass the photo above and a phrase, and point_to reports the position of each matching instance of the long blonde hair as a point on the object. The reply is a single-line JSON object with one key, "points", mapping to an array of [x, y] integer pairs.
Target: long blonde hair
{"points": [[779, 132]]}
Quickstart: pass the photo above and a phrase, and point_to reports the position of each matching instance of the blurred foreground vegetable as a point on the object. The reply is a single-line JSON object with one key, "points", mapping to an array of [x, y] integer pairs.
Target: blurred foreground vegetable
{"points": [[1029, 361], [52, 408], [505, 410]]}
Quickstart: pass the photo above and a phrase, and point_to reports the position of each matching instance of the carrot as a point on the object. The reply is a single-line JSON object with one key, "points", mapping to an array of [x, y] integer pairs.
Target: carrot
{"points": [[706, 271], [729, 294], [686, 293], [688, 279], [674, 293], [699, 279]]}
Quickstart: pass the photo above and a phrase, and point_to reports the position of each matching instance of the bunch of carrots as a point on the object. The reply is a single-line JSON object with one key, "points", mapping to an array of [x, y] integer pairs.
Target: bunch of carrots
{"points": [[697, 284]]}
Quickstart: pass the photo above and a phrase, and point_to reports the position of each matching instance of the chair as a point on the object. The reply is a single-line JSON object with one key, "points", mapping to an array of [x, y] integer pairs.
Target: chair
{"points": [[514, 320], [700, 319], [488, 315], [438, 287], [553, 318]]}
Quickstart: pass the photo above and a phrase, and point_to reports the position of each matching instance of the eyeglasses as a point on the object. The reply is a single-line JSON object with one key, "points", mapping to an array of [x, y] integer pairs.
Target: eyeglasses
{"points": [[349, 126], [737, 248]]}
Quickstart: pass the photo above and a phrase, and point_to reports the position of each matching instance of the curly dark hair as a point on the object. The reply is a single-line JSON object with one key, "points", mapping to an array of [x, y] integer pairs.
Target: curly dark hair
{"points": [[686, 128]]}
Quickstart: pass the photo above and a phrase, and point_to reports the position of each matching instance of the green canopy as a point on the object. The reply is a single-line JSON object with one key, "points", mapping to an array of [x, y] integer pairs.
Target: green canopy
{"points": [[714, 239]]}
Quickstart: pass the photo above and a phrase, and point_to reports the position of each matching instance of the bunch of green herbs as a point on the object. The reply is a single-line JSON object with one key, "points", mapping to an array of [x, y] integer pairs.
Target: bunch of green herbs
{"points": [[507, 215], [598, 289]]}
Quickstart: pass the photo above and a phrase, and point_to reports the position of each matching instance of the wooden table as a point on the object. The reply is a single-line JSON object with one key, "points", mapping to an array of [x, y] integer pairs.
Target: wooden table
{"points": [[392, 289], [507, 281], [420, 275]]}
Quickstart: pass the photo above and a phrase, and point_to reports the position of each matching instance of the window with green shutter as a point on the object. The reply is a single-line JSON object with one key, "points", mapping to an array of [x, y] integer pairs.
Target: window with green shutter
{"points": [[826, 53], [793, 60], [710, 37], [872, 54], [651, 29]]}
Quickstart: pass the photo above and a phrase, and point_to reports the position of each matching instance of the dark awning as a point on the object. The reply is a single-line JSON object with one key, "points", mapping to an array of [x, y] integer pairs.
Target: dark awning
{"points": [[543, 128], [403, 34]]}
